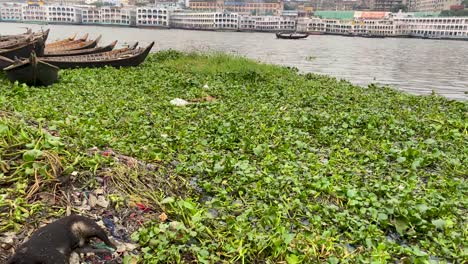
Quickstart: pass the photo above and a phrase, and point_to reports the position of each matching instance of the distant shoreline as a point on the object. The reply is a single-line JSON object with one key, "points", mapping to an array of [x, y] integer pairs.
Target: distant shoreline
{"points": [[221, 30]]}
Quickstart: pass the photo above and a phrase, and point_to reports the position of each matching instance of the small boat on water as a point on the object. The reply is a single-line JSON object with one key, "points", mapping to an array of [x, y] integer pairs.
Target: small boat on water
{"points": [[293, 35], [125, 57], [24, 49], [73, 45], [81, 51], [32, 71]]}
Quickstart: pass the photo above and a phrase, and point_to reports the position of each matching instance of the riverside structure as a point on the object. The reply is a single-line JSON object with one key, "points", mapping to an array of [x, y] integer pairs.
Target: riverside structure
{"points": [[351, 23]]}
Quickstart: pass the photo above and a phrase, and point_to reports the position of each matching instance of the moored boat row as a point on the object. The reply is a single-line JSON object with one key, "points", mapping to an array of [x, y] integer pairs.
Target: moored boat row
{"points": [[28, 59]]}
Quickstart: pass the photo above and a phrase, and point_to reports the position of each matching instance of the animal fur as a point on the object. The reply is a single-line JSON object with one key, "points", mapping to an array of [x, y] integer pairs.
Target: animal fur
{"points": [[54, 243]]}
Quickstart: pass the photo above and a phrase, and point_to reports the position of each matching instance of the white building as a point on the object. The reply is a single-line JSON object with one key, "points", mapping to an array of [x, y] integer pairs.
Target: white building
{"points": [[433, 5], [377, 27], [117, 15], [34, 13], [90, 15], [11, 12], [63, 14], [432, 27], [314, 24], [152, 16], [246, 23], [192, 20], [274, 23], [226, 21], [204, 20]]}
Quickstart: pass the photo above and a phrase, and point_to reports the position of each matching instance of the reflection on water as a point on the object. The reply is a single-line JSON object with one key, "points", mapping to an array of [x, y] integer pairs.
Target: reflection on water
{"points": [[413, 65]]}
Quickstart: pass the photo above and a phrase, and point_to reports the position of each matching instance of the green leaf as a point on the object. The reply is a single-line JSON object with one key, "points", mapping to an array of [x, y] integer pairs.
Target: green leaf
{"points": [[401, 159], [288, 237], [382, 217], [292, 259], [351, 193], [32, 155], [3, 129], [258, 150], [439, 223], [401, 225], [218, 167]]}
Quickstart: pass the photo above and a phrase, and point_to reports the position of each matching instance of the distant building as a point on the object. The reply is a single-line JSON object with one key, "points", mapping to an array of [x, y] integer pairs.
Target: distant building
{"points": [[274, 23], [152, 16], [431, 27], [193, 20], [11, 12], [63, 14], [246, 7], [205, 20], [387, 5], [117, 16], [34, 13], [432, 5], [91, 15]]}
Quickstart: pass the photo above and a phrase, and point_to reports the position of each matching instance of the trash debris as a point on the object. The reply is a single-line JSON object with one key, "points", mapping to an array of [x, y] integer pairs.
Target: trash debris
{"points": [[179, 102], [206, 86], [162, 217]]}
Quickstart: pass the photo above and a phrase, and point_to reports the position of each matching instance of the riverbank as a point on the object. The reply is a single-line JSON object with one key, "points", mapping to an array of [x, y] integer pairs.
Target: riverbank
{"points": [[263, 164]]}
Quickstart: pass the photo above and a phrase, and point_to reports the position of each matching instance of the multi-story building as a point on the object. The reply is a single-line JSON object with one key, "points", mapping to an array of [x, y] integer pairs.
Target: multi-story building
{"points": [[314, 24], [246, 23], [34, 13], [432, 27], [387, 5], [113, 15], [432, 5], [226, 21], [375, 27], [193, 20], [90, 15], [63, 14], [249, 7], [152, 16], [11, 11], [274, 23]]}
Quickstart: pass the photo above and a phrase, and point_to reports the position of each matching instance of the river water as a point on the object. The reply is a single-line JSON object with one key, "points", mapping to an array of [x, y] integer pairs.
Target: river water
{"points": [[413, 65]]}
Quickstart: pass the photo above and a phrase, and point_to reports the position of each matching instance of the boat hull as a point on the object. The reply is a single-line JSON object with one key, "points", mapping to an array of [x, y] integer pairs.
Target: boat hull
{"points": [[93, 61], [291, 36], [81, 51], [36, 74]]}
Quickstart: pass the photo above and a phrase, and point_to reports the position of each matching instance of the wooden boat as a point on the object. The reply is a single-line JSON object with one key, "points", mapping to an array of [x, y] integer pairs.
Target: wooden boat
{"points": [[32, 71], [74, 45], [18, 36], [15, 42], [81, 51], [291, 35], [64, 41], [125, 57], [24, 49]]}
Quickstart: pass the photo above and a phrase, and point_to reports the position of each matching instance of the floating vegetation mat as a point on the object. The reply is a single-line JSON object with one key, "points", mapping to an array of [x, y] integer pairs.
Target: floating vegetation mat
{"points": [[253, 163]]}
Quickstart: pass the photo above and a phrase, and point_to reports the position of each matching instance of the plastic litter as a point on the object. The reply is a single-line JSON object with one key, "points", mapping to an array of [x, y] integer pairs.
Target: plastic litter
{"points": [[179, 102]]}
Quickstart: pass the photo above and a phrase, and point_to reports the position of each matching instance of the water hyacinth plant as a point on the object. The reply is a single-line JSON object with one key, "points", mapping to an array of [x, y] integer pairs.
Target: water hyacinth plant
{"points": [[281, 167]]}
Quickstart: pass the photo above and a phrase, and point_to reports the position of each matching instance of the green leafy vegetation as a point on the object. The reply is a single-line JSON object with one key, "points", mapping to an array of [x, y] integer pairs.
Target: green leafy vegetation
{"points": [[282, 167]]}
